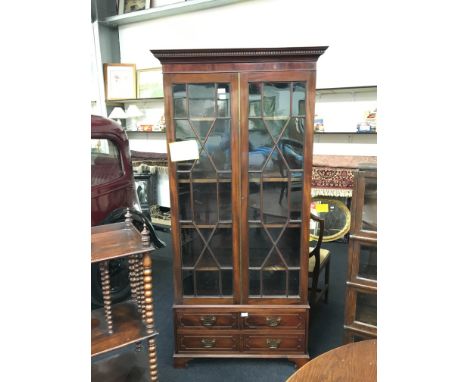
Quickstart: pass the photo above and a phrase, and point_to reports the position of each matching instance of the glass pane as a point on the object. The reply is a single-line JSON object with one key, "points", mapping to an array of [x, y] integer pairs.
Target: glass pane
{"points": [[276, 126], [295, 196], [226, 279], [259, 246], [366, 308], [275, 165], [201, 100], [368, 262], [218, 144], [293, 283], [205, 206], [225, 204], [191, 246], [221, 246], [202, 127], [224, 99], [207, 283], [274, 262], [179, 94], [254, 198], [106, 165], [276, 99], [183, 130], [187, 283], [291, 143], [185, 210], [274, 283], [369, 210], [289, 245], [274, 212], [298, 101], [255, 100], [204, 166], [254, 283], [207, 262], [260, 144]]}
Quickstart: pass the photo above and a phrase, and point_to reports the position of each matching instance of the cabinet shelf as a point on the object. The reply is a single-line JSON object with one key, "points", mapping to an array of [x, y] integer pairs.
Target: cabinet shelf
{"points": [[344, 133], [128, 328], [164, 11], [118, 102]]}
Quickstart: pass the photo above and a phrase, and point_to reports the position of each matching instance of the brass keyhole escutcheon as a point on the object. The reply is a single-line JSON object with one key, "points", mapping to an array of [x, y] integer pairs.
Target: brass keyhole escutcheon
{"points": [[273, 321], [208, 342], [208, 320], [273, 343]]}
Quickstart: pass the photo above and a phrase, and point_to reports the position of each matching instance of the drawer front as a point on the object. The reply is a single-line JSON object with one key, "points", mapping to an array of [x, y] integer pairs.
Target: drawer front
{"points": [[207, 320], [205, 343], [274, 343], [281, 321]]}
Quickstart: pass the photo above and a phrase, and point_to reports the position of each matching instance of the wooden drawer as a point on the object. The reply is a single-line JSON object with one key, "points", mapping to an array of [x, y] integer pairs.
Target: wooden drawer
{"points": [[274, 343], [281, 321], [189, 343], [207, 320]]}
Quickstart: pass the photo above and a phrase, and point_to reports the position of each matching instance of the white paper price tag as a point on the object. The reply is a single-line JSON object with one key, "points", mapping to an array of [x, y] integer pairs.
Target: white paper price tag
{"points": [[184, 150], [244, 314]]}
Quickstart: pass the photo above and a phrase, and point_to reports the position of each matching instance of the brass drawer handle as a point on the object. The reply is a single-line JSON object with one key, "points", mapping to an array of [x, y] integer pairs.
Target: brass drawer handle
{"points": [[273, 343], [208, 342], [273, 321], [208, 320]]}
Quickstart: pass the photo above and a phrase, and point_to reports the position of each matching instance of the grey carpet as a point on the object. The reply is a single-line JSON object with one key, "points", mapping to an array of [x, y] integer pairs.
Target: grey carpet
{"points": [[326, 328]]}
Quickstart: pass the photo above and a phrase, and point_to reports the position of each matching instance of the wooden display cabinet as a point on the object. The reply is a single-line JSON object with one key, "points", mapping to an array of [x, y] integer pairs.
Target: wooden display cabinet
{"points": [[240, 213], [116, 326], [361, 286]]}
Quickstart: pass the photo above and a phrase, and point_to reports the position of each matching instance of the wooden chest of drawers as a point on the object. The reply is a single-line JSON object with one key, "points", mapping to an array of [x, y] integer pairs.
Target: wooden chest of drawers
{"points": [[241, 331]]}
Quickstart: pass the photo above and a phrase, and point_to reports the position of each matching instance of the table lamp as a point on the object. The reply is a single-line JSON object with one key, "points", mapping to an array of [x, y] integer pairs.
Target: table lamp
{"points": [[117, 114], [132, 113]]}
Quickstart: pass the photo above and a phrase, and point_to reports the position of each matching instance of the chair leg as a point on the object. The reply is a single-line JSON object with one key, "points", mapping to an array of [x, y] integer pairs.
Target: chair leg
{"points": [[327, 280]]}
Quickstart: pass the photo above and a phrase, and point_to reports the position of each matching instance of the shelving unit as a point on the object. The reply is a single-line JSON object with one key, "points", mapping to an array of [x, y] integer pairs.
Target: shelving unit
{"points": [[165, 10], [361, 286], [134, 100], [115, 326]]}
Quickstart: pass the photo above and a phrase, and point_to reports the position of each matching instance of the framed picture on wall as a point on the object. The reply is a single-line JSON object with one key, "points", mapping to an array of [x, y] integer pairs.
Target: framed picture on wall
{"points": [[127, 6], [120, 81], [150, 83]]}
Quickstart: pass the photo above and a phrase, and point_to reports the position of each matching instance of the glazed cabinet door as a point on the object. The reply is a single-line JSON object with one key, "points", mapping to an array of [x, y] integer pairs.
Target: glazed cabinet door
{"points": [[204, 108], [276, 147]]}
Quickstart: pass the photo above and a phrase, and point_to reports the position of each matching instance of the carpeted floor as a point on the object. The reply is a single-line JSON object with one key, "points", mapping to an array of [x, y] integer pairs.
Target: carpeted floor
{"points": [[326, 328]]}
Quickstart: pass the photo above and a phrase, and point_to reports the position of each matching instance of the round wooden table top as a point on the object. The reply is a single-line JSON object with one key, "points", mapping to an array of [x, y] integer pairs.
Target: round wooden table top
{"points": [[354, 362]]}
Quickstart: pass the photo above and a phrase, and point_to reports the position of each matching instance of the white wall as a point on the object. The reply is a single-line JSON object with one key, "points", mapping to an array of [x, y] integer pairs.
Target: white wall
{"points": [[346, 27]]}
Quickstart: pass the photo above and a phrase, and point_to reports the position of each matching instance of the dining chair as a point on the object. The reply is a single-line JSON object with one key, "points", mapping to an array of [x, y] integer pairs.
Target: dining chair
{"points": [[319, 259]]}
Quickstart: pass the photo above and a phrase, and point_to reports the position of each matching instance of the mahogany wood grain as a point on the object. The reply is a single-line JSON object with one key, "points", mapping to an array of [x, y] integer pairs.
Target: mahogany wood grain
{"points": [[241, 325], [127, 325], [355, 362], [105, 282], [153, 362], [111, 241]]}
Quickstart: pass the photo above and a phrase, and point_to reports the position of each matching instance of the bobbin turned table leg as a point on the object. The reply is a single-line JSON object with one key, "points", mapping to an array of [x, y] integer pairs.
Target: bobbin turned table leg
{"points": [[105, 281], [153, 360], [133, 277], [148, 306]]}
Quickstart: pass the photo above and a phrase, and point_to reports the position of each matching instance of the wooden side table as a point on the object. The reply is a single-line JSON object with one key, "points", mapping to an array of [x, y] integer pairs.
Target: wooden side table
{"points": [[118, 325], [354, 362]]}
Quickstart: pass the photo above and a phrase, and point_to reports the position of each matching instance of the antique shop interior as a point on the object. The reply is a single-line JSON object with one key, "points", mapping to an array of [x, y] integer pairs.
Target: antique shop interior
{"points": [[252, 142]]}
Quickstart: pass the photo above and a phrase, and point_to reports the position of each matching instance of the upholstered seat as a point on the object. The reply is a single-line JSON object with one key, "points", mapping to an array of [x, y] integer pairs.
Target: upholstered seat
{"points": [[324, 253]]}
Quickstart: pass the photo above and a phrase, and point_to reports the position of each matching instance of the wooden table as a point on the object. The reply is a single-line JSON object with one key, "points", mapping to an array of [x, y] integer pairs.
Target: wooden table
{"points": [[354, 362]]}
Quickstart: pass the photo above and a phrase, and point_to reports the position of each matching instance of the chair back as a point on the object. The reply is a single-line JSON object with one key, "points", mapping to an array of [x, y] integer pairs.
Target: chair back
{"points": [[316, 251]]}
